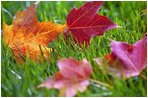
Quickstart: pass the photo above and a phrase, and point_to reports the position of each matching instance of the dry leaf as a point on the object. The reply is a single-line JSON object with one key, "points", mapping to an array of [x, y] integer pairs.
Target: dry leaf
{"points": [[29, 36]]}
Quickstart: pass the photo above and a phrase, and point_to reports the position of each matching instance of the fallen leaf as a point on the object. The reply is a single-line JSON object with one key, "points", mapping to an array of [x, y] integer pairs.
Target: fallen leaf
{"points": [[72, 77], [85, 23], [125, 59], [29, 36]]}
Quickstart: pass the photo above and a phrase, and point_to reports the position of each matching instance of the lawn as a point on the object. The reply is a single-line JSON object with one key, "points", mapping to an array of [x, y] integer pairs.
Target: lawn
{"points": [[21, 79]]}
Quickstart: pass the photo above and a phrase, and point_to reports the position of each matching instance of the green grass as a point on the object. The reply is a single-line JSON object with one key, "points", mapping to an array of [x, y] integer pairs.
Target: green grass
{"points": [[22, 79]]}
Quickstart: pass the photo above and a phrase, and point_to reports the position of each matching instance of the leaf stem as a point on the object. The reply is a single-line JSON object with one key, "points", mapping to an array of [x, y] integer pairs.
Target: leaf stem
{"points": [[100, 83], [144, 77], [61, 92]]}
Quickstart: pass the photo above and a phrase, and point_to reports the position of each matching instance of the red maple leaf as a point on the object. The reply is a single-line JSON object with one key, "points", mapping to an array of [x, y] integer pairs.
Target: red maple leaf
{"points": [[85, 23]]}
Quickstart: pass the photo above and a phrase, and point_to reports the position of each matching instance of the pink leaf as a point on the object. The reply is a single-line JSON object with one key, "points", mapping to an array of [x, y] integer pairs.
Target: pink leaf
{"points": [[72, 77], [74, 68], [127, 59], [85, 23]]}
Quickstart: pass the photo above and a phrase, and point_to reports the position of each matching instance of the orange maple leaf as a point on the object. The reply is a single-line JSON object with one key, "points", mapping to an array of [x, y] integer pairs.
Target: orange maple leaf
{"points": [[29, 36]]}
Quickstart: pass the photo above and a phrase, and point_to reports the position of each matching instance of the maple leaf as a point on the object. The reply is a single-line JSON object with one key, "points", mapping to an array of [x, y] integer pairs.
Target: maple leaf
{"points": [[85, 23], [125, 59], [72, 77], [28, 35]]}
